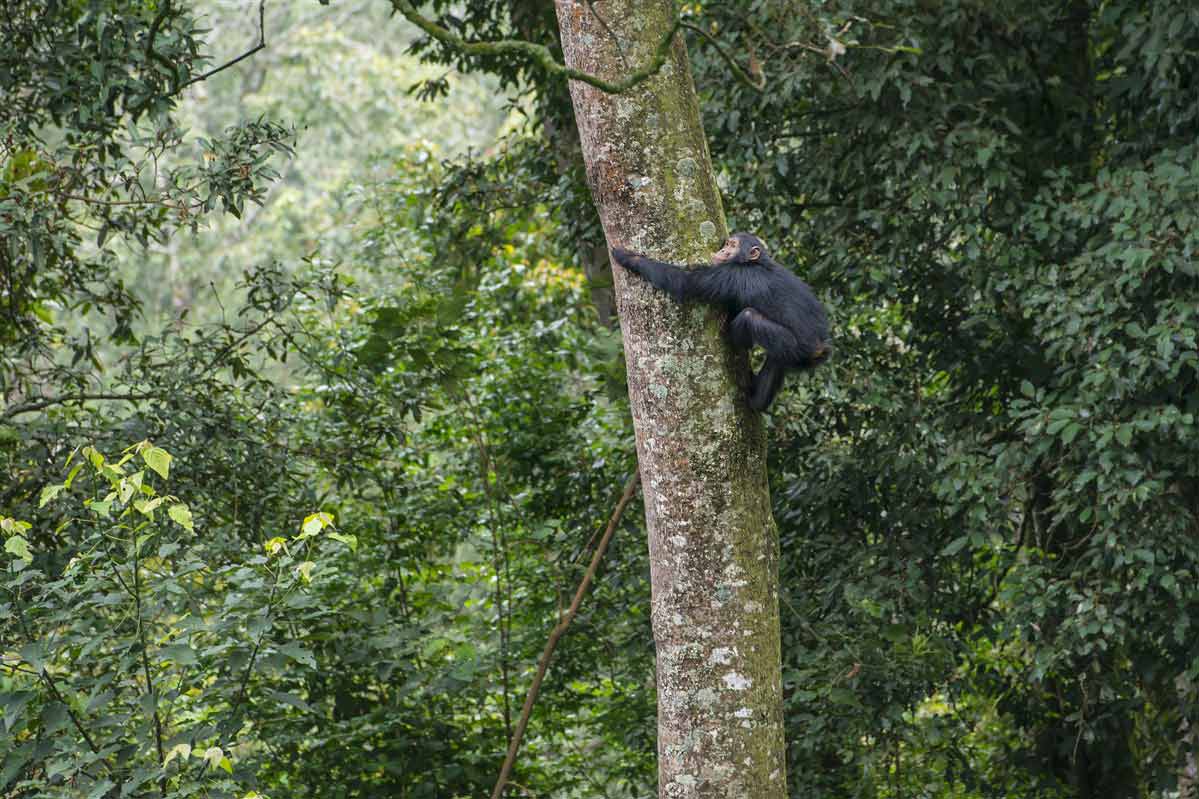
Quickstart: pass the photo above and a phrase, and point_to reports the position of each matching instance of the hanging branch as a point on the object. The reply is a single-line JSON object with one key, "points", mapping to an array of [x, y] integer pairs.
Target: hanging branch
{"points": [[757, 83], [559, 630], [260, 46], [539, 54]]}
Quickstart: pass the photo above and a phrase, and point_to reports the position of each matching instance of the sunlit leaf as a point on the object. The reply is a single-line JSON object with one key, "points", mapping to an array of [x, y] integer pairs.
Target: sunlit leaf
{"points": [[159, 460], [50, 492], [182, 516], [18, 547]]}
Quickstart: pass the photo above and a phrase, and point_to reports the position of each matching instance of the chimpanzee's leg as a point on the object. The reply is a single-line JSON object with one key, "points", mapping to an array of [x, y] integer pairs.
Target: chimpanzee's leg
{"points": [[766, 384], [750, 328]]}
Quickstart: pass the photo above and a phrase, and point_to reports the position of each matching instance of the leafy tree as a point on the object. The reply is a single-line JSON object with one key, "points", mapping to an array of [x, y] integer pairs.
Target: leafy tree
{"points": [[132, 661], [985, 501], [1000, 203], [82, 146]]}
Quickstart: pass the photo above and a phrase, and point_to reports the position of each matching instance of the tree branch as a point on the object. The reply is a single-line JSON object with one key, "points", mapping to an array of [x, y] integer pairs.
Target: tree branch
{"points": [[151, 690], [539, 54], [30, 407], [757, 84], [559, 630], [48, 681], [260, 46]]}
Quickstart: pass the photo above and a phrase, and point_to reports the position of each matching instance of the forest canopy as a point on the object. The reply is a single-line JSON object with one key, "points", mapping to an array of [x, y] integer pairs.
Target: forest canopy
{"points": [[314, 406]]}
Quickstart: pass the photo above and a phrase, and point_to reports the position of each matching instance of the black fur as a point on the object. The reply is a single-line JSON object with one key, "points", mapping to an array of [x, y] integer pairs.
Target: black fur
{"points": [[768, 306]]}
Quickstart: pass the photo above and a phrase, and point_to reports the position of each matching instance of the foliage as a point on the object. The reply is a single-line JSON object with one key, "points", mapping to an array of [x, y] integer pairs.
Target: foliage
{"points": [[1000, 204], [986, 502], [466, 417], [456, 416], [340, 76], [133, 658], [82, 149], [383, 395]]}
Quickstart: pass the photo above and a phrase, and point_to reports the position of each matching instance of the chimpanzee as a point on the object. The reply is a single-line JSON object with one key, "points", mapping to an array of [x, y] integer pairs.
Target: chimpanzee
{"points": [[768, 306]]}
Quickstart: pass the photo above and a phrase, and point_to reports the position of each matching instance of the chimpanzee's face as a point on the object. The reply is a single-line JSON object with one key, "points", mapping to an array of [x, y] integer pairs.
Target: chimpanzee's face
{"points": [[741, 248]]}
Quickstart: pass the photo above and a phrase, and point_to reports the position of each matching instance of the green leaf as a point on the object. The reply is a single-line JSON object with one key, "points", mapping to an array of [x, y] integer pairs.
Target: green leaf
{"points": [[18, 547], [956, 545], [11, 525], [54, 716], [14, 706], [100, 789], [94, 457], [213, 755], [34, 655], [182, 751], [1124, 434], [298, 654], [158, 459], [71, 475], [350, 540], [182, 654], [314, 523], [290, 699], [49, 493], [99, 700], [1055, 426], [148, 506], [182, 516], [128, 486], [843, 696]]}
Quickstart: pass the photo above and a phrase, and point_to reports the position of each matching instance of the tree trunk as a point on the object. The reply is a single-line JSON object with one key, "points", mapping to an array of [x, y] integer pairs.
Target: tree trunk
{"points": [[712, 541]]}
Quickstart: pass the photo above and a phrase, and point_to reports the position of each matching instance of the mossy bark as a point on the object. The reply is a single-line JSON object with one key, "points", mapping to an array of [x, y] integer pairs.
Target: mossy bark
{"points": [[713, 543]]}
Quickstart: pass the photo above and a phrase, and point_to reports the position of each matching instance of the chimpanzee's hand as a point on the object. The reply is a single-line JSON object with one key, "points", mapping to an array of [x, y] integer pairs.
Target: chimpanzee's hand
{"points": [[624, 257]]}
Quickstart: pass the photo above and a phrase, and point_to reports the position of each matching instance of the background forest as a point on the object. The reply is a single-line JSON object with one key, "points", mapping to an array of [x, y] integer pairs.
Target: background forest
{"points": [[313, 401]]}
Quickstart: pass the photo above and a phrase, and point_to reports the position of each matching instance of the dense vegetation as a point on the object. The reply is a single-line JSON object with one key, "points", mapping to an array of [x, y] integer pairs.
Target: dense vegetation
{"points": [[381, 420]]}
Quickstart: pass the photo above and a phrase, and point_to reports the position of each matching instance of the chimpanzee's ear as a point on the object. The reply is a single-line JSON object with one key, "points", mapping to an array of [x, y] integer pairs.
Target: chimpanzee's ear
{"points": [[755, 253]]}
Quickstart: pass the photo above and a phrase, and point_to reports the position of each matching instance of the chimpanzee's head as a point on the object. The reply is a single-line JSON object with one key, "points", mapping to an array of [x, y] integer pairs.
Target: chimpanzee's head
{"points": [[741, 249]]}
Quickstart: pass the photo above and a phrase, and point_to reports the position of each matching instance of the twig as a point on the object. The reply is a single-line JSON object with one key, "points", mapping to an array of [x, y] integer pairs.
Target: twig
{"points": [[142, 201], [151, 692], [30, 407], [50, 684], [163, 12], [499, 555], [242, 339], [244, 689], [819, 51], [539, 53], [756, 84], [260, 46], [526, 711]]}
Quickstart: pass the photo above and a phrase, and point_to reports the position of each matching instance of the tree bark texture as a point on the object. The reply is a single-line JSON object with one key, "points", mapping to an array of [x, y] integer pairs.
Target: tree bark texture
{"points": [[712, 540]]}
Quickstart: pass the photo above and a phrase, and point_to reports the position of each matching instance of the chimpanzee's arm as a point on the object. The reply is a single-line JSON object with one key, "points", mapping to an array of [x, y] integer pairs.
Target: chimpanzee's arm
{"points": [[694, 282]]}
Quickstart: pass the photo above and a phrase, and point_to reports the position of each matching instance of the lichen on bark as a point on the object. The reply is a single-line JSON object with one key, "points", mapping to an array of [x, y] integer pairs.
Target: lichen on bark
{"points": [[713, 544]]}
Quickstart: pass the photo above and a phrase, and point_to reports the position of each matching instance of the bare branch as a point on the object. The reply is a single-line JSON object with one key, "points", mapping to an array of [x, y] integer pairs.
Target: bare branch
{"points": [[260, 46], [559, 630]]}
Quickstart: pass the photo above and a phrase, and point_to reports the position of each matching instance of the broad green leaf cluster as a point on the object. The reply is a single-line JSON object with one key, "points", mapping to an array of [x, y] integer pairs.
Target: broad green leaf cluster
{"points": [[132, 660]]}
